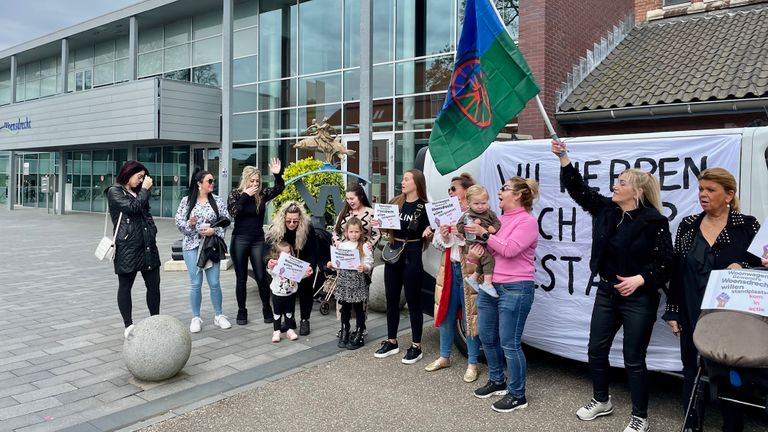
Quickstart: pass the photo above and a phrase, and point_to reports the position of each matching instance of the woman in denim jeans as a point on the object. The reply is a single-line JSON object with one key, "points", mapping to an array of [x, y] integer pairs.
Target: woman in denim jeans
{"points": [[501, 320]]}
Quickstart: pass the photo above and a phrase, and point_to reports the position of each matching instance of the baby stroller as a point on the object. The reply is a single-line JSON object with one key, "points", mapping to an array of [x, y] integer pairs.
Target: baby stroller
{"points": [[733, 354], [325, 292]]}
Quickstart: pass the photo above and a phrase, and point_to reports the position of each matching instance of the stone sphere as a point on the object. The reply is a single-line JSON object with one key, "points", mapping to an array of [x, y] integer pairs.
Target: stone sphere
{"points": [[376, 298], [157, 348]]}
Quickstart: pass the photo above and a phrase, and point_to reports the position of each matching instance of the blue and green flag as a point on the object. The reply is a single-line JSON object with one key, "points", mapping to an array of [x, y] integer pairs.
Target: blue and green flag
{"points": [[491, 83]]}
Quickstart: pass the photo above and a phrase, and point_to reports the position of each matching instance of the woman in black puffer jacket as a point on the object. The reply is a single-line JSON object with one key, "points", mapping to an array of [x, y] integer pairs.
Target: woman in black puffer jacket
{"points": [[135, 243]]}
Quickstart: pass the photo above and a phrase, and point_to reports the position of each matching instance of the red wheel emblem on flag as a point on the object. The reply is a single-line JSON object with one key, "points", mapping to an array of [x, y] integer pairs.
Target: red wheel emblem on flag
{"points": [[468, 92]]}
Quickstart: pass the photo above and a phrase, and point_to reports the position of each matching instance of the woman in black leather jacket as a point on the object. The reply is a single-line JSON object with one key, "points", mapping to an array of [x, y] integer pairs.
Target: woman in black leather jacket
{"points": [[135, 244]]}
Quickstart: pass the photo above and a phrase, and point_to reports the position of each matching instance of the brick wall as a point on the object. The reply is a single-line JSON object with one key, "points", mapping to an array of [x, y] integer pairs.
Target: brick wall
{"points": [[553, 35]]}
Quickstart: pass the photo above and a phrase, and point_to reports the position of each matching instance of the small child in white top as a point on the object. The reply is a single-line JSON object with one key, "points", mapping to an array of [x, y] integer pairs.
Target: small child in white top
{"points": [[283, 297], [352, 285]]}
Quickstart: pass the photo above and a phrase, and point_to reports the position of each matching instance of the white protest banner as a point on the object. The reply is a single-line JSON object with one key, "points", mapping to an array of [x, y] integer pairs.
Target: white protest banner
{"points": [[388, 215], [559, 320], [759, 245], [444, 212], [738, 290], [346, 259], [290, 267]]}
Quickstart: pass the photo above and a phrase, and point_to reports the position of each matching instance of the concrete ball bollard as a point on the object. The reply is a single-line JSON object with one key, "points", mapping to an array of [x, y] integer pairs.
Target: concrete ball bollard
{"points": [[157, 348], [376, 299]]}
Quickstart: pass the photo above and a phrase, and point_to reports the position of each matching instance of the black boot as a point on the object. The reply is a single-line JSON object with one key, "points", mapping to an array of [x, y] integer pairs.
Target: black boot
{"points": [[343, 338], [267, 312], [242, 316], [358, 340]]}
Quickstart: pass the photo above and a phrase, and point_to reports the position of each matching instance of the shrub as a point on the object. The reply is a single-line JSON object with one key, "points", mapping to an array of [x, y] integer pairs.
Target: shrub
{"points": [[313, 183]]}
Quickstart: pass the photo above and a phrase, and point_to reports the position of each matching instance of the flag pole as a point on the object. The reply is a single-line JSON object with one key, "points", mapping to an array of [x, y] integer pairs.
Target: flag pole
{"points": [[551, 129]]}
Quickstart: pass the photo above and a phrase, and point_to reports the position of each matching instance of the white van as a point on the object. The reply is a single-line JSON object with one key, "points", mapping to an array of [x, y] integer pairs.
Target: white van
{"points": [[559, 320]]}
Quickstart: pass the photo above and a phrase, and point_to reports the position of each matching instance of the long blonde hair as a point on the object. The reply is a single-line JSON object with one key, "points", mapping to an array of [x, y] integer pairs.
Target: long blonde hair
{"points": [[276, 231], [725, 179], [248, 172], [646, 186]]}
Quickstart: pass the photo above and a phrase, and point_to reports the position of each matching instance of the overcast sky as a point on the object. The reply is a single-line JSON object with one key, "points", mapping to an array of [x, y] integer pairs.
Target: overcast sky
{"points": [[29, 19]]}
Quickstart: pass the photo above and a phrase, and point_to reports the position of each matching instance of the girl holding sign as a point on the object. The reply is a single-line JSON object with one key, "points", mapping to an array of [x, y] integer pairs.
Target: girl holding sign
{"points": [[283, 298], [632, 254], [352, 285], [406, 270]]}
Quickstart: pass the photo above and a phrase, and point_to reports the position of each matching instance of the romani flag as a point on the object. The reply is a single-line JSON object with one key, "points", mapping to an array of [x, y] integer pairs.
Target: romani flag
{"points": [[491, 83]]}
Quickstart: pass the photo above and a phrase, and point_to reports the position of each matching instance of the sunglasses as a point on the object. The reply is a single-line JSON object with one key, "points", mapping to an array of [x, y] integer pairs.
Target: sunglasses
{"points": [[209, 181], [291, 222], [506, 188], [452, 189]]}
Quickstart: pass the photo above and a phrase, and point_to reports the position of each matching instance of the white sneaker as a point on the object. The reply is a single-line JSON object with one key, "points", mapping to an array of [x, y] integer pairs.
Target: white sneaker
{"points": [[472, 283], [128, 331], [222, 321], [291, 335], [489, 289], [196, 325], [638, 424], [594, 409], [276, 336]]}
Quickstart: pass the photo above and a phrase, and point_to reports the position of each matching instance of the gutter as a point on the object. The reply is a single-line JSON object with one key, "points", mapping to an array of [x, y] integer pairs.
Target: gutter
{"points": [[661, 111]]}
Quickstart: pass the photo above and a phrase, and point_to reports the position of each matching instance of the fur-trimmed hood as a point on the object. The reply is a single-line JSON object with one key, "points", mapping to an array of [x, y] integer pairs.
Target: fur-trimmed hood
{"points": [[276, 231]]}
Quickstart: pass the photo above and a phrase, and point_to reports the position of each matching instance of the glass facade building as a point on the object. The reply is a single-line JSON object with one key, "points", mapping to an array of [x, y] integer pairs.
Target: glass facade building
{"points": [[293, 61]]}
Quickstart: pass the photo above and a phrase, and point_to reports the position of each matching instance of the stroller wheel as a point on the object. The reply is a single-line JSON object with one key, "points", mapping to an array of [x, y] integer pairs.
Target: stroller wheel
{"points": [[325, 307]]}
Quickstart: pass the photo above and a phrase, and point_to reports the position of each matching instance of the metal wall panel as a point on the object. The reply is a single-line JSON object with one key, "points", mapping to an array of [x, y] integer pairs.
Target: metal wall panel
{"points": [[189, 112]]}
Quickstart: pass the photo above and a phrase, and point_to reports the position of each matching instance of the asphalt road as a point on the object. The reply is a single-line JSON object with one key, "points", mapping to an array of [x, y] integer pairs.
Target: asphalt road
{"points": [[359, 392]]}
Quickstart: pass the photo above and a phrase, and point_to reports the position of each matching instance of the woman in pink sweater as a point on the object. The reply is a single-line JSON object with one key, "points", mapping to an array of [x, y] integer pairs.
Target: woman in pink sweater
{"points": [[501, 320]]}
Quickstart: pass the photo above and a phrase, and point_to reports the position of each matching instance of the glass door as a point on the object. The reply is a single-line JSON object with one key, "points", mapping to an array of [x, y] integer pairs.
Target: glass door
{"points": [[206, 158], [383, 160]]}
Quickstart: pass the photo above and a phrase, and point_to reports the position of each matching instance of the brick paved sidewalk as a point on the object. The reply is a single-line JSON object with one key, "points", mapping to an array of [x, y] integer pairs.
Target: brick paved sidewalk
{"points": [[61, 334]]}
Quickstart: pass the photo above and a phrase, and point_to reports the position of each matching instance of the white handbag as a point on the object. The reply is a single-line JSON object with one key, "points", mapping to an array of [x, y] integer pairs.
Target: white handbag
{"points": [[106, 247]]}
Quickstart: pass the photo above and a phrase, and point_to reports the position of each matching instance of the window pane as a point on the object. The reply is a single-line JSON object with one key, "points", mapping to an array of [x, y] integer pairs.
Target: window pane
{"points": [[245, 14], [244, 127], [175, 178], [151, 157], [81, 180], [244, 70], [277, 39], [84, 57], [383, 31], [150, 63], [208, 75], [33, 89], [320, 45], [418, 112], [382, 80], [48, 67], [351, 33], [176, 57], [48, 86], [352, 85], [320, 89], [407, 145], [179, 75], [276, 124], [423, 27], [103, 74], [87, 80], [121, 47], [382, 116], [675, 2], [104, 52], [206, 51], [244, 42], [121, 70], [244, 98], [150, 39], [329, 113], [33, 71], [277, 94], [422, 76], [205, 25], [177, 32]]}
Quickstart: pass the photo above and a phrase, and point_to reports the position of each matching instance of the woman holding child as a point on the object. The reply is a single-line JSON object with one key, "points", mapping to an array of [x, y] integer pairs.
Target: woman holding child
{"points": [[451, 298], [501, 318]]}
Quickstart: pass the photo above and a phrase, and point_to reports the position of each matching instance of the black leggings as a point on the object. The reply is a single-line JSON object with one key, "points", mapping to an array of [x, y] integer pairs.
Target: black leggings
{"points": [[407, 273], [242, 249], [346, 314], [284, 308], [637, 314], [305, 293], [125, 283]]}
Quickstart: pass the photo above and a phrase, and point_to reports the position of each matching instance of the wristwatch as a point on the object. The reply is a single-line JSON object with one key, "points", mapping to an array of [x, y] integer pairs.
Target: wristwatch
{"points": [[484, 236]]}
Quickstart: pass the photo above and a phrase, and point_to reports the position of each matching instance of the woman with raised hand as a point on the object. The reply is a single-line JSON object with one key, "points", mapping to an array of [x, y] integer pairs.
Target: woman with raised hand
{"points": [[632, 254], [292, 225], [406, 272], [135, 239], [248, 205], [451, 297], [715, 239], [196, 217]]}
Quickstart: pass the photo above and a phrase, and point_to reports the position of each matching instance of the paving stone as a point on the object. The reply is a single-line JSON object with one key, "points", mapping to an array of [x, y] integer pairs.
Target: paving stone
{"points": [[71, 376], [119, 393], [44, 392], [27, 408], [16, 389], [76, 366], [54, 424], [86, 392], [7, 401]]}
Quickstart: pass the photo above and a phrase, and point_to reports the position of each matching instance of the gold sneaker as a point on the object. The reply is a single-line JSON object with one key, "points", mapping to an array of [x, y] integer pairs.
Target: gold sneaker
{"points": [[470, 375], [436, 366]]}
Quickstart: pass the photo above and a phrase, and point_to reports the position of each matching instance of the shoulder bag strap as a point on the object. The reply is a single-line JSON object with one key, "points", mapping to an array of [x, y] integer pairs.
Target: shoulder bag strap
{"points": [[120, 218]]}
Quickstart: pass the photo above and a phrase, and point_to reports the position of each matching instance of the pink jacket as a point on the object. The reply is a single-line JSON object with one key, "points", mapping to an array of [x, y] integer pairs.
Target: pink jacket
{"points": [[514, 246]]}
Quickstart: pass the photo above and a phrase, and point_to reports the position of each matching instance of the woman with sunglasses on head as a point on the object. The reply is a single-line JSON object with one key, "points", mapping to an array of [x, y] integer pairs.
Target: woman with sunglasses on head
{"points": [[452, 300], [135, 239], [292, 225], [247, 205], [632, 254], [501, 320], [196, 213], [406, 272], [357, 206]]}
